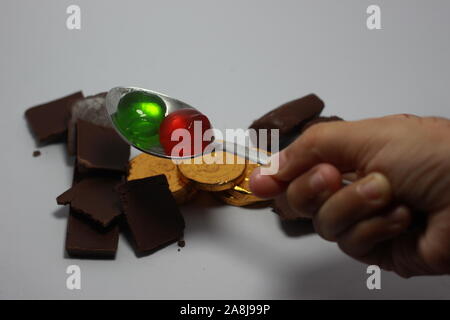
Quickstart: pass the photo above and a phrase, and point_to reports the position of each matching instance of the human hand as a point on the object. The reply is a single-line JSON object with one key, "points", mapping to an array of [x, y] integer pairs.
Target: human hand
{"points": [[397, 212]]}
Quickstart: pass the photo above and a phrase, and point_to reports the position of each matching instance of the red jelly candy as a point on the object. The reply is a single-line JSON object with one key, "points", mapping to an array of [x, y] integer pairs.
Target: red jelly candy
{"points": [[194, 122]]}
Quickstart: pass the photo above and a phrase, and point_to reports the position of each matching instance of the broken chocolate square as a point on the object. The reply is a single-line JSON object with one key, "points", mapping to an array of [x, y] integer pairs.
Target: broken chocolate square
{"points": [[151, 213], [94, 197], [48, 121], [84, 239], [100, 148]]}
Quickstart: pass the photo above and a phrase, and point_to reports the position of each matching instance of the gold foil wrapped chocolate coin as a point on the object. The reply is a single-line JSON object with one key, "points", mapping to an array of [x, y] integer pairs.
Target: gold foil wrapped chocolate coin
{"points": [[214, 172], [240, 195]]}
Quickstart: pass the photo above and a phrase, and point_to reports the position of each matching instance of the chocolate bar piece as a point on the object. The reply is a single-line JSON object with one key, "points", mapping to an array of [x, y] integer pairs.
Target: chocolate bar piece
{"points": [[289, 117], [86, 240], [91, 109], [151, 213], [94, 197], [100, 148], [48, 121]]}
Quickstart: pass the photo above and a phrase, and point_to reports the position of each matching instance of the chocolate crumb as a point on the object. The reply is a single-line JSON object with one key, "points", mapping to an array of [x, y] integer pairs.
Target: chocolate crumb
{"points": [[36, 153], [181, 244]]}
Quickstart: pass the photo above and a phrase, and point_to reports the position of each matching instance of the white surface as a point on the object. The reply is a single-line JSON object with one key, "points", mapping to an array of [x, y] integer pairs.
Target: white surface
{"points": [[234, 60]]}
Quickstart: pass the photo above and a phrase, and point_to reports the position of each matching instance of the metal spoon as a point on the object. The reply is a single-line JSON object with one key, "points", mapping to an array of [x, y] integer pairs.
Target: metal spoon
{"points": [[116, 94]]}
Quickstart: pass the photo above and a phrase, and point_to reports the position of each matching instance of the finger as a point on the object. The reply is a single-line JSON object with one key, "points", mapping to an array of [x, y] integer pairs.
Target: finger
{"points": [[351, 204], [434, 245], [346, 145], [418, 251], [264, 186], [307, 193], [360, 239]]}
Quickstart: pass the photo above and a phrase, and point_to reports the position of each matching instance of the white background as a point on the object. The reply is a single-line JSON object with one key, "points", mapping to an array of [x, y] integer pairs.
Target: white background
{"points": [[234, 60]]}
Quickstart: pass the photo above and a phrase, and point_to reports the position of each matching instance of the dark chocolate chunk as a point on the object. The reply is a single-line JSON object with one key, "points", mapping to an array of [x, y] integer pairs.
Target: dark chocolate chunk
{"points": [[287, 139], [84, 239], [49, 121], [151, 213], [94, 197], [91, 109], [289, 117], [281, 207], [100, 148], [297, 228], [36, 153]]}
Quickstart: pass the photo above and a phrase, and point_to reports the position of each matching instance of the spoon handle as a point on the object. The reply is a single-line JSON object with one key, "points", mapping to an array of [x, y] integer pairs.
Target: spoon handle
{"points": [[245, 152]]}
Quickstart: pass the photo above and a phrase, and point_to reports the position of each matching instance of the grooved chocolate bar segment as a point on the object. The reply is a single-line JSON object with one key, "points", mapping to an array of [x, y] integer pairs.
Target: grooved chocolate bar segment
{"points": [[151, 213], [84, 239], [100, 148], [96, 198], [49, 121], [289, 117]]}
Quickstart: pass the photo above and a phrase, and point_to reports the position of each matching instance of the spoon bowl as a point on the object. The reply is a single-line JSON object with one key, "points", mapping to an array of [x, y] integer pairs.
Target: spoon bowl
{"points": [[114, 97]]}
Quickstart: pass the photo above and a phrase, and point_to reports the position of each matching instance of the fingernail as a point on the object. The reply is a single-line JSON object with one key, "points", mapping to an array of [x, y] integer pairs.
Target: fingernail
{"points": [[374, 187], [317, 182]]}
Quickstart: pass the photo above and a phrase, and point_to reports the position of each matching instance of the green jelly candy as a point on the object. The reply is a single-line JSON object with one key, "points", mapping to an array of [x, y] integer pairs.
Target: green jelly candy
{"points": [[147, 143], [138, 117]]}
